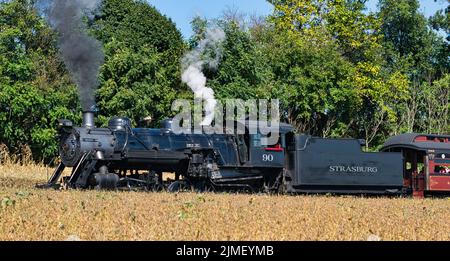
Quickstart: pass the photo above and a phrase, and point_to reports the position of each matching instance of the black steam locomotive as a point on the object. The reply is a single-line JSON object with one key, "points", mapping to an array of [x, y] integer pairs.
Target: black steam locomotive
{"points": [[120, 156]]}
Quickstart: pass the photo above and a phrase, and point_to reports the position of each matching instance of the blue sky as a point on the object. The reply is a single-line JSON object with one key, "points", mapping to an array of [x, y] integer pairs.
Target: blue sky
{"points": [[182, 11]]}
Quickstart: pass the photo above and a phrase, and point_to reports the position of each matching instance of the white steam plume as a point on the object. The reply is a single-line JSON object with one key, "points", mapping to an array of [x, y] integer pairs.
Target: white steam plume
{"points": [[193, 63]]}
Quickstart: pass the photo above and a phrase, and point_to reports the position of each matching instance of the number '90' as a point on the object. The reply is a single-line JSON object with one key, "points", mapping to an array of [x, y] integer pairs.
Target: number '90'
{"points": [[267, 157]]}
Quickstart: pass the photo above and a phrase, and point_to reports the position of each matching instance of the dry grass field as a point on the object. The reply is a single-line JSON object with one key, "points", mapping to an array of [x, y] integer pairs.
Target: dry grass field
{"points": [[30, 214]]}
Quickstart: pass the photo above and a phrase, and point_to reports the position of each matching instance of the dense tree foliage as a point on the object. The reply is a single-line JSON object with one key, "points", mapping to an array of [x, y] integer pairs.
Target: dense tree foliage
{"points": [[323, 60], [338, 70], [412, 47], [34, 89], [141, 74]]}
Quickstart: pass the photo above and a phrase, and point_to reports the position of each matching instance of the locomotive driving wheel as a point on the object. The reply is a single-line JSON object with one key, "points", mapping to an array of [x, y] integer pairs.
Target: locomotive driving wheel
{"points": [[175, 186]]}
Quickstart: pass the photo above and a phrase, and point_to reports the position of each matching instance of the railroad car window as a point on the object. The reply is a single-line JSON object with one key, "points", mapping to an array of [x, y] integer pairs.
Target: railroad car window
{"points": [[256, 142], [420, 167], [442, 169], [408, 165]]}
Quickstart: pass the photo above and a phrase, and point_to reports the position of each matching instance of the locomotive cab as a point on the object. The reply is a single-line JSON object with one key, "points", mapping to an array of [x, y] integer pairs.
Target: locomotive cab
{"points": [[269, 155], [244, 158]]}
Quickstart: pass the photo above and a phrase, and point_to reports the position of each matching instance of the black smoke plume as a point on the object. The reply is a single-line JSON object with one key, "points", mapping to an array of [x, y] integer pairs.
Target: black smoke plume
{"points": [[82, 54]]}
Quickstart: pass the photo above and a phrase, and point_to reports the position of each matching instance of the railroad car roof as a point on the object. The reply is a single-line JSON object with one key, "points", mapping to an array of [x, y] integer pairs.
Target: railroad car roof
{"points": [[419, 141]]}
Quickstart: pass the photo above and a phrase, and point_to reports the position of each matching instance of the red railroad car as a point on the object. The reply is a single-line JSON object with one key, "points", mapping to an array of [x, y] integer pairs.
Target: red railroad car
{"points": [[426, 161]]}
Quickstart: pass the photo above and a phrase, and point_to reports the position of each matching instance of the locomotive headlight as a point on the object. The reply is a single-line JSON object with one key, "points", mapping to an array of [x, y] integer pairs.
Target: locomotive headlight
{"points": [[431, 156]]}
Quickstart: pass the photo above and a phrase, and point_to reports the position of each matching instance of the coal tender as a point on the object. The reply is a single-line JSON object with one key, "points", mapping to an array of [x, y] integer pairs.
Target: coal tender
{"points": [[340, 165]]}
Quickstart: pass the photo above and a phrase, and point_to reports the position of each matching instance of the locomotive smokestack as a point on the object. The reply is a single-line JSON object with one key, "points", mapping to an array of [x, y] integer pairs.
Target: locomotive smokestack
{"points": [[88, 119]]}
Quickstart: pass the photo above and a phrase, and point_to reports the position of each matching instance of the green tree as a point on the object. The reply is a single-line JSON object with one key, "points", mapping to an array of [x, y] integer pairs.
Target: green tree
{"points": [[34, 89], [134, 83], [378, 90], [341, 83], [413, 48], [436, 106], [441, 21], [243, 69], [141, 74]]}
